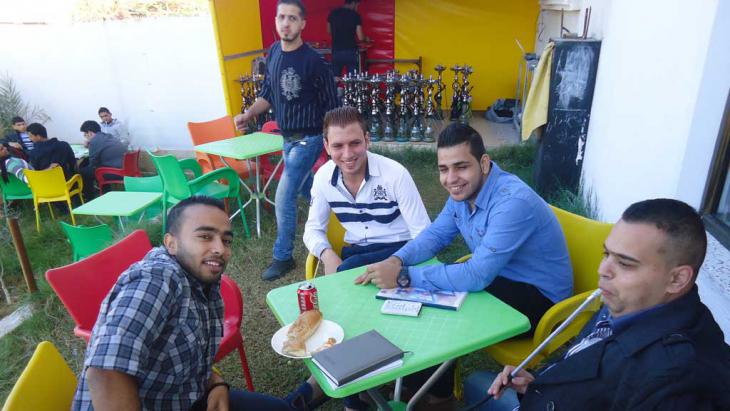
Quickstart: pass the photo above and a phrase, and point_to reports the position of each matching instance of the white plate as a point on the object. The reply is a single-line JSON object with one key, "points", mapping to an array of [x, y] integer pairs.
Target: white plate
{"points": [[327, 329]]}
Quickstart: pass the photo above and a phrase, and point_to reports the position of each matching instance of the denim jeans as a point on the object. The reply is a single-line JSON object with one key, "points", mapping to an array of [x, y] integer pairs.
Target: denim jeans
{"points": [[475, 389], [358, 256], [344, 58], [299, 158], [240, 400]]}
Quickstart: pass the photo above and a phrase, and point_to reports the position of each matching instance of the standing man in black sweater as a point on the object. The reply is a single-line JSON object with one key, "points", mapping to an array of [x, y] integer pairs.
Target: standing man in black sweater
{"points": [[300, 86], [345, 26]]}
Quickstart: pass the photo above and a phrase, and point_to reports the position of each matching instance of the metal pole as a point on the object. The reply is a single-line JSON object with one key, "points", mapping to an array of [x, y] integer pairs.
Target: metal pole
{"points": [[22, 254]]}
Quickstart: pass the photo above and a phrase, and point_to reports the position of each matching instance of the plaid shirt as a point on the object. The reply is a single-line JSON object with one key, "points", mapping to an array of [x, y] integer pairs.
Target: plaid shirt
{"points": [[159, 325]]}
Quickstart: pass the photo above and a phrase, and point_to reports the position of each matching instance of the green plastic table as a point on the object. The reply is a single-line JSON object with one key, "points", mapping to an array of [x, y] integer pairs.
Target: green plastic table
{"points": [[247, 147], [118, 204], [434, 337], [79, 151]]}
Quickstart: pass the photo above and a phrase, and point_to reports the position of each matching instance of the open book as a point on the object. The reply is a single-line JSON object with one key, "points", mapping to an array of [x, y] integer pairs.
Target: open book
{"points": [[450, 300]]}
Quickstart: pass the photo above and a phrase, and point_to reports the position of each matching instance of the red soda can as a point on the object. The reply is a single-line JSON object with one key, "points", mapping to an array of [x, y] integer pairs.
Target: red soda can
{"points": [[307, 297]]}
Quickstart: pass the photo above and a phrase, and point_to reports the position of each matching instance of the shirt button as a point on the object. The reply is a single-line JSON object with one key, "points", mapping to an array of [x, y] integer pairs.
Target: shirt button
{"points": [[366, 227]]}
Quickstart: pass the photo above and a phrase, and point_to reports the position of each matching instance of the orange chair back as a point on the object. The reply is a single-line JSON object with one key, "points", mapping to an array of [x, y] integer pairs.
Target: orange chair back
{"points": [[208, 132]]}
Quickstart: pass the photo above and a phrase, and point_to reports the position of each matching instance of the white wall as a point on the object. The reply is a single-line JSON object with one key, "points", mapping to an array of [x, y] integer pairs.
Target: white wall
{"points": [[645, 106], [153, 74]]}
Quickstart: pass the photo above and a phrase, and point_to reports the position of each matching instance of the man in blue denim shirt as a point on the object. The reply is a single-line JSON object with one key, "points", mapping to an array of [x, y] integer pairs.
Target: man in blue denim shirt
{"points": [[300, 86], [519, 253]]}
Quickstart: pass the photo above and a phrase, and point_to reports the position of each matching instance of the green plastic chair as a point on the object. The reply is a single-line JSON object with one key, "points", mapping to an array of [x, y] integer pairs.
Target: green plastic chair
{"points": [[151, 184], [14, 189], [176, 186], [86, 241]]}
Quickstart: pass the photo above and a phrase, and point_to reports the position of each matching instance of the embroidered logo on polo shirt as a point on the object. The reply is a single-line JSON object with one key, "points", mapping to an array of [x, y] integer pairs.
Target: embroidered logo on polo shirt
{"points": [[291, 83], [379, 193]]}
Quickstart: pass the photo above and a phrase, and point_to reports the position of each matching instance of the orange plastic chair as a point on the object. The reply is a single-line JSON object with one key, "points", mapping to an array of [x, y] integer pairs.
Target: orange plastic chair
{"points": [[216, 130], [46, 384], [49, 186], [232, 337], [130, 168]]}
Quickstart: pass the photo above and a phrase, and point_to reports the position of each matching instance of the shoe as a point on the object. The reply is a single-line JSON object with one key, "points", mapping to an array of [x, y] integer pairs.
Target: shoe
{"points": [[301, 398], [277, 269]]}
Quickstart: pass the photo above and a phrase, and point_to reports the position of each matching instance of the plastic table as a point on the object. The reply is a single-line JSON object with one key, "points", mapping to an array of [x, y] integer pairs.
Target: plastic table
{"points": [[118, 204], [79, 151], [435, 336], [247, 147]]}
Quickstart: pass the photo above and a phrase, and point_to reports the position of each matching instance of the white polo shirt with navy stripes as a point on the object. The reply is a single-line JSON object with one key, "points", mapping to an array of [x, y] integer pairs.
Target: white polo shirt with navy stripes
{"points": [[386, 209]]}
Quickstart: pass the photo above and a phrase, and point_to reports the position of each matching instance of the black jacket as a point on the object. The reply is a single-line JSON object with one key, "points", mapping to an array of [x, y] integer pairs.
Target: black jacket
{"points": [[50, 151], [672, 358]]}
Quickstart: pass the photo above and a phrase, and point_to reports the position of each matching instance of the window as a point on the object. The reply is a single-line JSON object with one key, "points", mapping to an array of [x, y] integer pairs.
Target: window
{"points": [[716, 204]]}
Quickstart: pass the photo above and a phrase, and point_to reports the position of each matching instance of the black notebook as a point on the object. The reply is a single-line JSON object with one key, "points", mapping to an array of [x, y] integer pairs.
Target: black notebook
{"points": [[356, 357]]}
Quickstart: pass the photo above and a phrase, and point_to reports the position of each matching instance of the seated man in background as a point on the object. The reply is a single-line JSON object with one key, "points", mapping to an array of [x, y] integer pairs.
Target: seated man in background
{"points": [[10, 163], [373, 197], [653, 346], [19, 138], [160, 326], [519, 253], [113, 126], [48, 153], [104, 151]]}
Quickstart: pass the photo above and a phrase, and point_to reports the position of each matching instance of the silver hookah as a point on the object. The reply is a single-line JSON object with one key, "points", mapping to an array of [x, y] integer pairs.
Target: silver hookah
{"points": [[456, 97], [466, 97], [390, 85], [417, 107], [430, 110], [374, 108], [404, 100], [439, 91], [360, 96], [348, 100]]}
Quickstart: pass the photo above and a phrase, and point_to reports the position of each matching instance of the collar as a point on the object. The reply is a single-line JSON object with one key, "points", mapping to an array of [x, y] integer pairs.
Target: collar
{"points": [[657, 321], [371, 170], [485, 193]]}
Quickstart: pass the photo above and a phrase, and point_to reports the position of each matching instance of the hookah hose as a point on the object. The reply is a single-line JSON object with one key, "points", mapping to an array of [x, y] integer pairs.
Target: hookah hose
{"points": [[539, 348]]}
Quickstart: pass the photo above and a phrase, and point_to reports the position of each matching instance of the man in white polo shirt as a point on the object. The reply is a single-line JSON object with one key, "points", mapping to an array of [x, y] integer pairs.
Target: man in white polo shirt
{"points": [[373, 197]]}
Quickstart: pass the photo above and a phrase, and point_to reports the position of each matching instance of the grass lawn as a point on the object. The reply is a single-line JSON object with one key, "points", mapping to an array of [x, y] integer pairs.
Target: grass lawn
{"points": [[272, 373]]}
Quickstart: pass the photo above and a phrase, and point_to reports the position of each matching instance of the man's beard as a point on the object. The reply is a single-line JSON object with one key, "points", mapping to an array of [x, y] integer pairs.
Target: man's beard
{"points": [[290, 39]]}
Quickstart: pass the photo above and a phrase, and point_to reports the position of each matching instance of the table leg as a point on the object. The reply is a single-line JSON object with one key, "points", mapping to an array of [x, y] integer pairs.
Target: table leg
{"points": [[422, 391], [252, 196], [266, 186], [121, 223], [258, 199], [398, 389], [379, 400]]}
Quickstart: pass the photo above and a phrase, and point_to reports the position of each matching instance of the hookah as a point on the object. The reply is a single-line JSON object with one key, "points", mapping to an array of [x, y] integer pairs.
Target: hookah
{"points": [[466, 98], [417, 107], [374, 111], [390, 82], [439, 91], [456, 98], [430, 112], [402, 133]]}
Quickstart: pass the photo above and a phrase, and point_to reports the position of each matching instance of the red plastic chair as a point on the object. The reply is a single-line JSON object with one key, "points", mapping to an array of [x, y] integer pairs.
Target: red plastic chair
{"points": [[130, 168], [232, 337], [82, 286]]}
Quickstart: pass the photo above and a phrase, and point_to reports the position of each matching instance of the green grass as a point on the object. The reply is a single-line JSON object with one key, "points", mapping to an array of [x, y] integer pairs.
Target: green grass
{"points": [[272, 373]]}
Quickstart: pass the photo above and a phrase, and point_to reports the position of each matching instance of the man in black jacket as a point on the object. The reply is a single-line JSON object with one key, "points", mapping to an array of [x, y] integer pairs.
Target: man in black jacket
{"points": [[105, 150], [48, 153], [654, 345]]}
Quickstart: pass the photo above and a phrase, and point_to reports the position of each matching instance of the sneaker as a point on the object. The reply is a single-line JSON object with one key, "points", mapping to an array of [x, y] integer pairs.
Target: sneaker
{"points": [[277, 269], [301, 398]]}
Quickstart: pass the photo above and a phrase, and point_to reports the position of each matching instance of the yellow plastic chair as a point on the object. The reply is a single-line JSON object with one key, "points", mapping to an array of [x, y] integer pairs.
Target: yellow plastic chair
{"points": [[585, 239], [336, 237], [49, 186], [46, 384]]}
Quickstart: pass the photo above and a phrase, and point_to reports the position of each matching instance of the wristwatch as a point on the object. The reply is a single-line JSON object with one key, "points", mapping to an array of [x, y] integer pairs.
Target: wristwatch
{"points": [[404, 279]]}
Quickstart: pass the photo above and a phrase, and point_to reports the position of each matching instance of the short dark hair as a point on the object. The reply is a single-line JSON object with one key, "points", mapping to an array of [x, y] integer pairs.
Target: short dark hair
{"points": [[456, 133], [17, 119], [90, 125], [298, 3], [37, 129], [104, 110], [173, 216], [342, 117], [686, 237]]}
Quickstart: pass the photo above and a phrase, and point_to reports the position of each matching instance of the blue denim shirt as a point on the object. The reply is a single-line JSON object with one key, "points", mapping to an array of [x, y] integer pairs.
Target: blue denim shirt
{"points": [[511, 232]]}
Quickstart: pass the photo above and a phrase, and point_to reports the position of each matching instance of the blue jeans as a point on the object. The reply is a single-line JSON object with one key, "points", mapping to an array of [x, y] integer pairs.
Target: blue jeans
{"points": [[344, 58], [358, 256], [299, 158], [475, 389], [240, 400]]}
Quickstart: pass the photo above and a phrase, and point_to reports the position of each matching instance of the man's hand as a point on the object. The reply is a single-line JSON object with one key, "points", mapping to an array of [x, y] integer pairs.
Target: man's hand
{"points": [[16, 145], [331, 261], [218, 399], [218, 396], [519, 383], [242, 119], [383, 274]]}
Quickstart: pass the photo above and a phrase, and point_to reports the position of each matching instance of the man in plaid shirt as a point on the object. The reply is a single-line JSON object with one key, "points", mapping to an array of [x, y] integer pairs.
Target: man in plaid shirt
{"points": [[158, 330]]}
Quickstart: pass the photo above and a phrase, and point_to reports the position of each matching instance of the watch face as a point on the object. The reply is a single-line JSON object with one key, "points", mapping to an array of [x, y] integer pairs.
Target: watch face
{"points": [[403, 280]]}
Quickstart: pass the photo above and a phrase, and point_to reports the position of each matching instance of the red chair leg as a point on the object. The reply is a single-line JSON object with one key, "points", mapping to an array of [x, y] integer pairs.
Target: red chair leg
{"points": [[244, 364]]}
